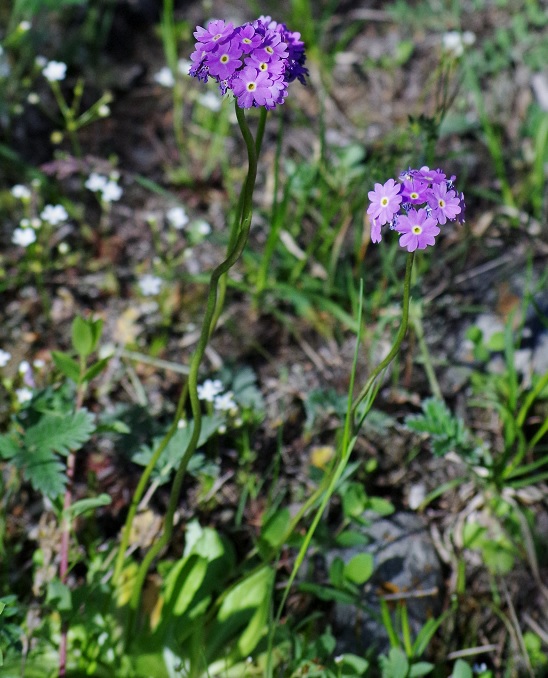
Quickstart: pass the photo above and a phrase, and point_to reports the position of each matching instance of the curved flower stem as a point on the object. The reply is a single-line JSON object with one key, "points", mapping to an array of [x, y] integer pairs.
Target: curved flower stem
{"points": [[349, 436], [366, 390], [237, 241]]}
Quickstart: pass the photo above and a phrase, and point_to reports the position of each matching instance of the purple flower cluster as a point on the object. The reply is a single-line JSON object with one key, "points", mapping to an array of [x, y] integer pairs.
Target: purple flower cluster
{"points": [[255, 61], [416, 207]]}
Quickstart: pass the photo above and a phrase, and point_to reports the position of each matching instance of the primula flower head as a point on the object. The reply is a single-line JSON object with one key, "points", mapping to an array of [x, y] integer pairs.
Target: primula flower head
{"points": [[423, 201], [418, 230], [255, 61]]}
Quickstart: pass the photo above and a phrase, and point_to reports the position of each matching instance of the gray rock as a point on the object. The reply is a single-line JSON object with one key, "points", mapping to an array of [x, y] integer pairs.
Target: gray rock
{"points": [[407, 568]]}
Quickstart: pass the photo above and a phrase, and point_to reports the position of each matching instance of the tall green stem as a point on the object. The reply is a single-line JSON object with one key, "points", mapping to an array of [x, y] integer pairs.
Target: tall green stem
{"points": [[237, 241]]}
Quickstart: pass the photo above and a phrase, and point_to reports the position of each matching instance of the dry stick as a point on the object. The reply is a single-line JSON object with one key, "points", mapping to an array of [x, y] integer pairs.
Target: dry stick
{"points": [[66, 524]]}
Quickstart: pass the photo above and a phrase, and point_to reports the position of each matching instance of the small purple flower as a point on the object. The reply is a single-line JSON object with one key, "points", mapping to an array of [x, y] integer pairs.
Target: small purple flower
{"points": [[431, 176], [249, 38], [252, 87], [385, 201], [216, 32], [223, 61], [443, 203], [415, 191], [417, 230], [273, 47], [462, 206], [375, 231]]}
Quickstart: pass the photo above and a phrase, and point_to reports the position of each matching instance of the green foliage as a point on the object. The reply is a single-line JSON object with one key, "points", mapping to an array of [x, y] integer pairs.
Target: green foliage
{"points": [[35, 449], [396, 665], [10, 631], [446, 431]]}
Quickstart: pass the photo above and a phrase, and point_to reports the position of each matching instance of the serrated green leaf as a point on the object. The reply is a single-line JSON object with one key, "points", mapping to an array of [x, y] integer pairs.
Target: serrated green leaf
{"points": [[60, 433], [10, 446], [45, 472]]}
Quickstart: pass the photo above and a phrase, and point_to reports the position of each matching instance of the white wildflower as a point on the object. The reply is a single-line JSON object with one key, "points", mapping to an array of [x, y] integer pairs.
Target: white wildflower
{"points": [[63, 248], [225, 402], [183, 66], [96, 182], [24, 26], [5, 357], [202, 227], [111, 192], [165, 77], [23, 395], [55, 71], [211, 100], [54, 214], [149, 284], [454, 42], [33, 98], [40, 61], [23, 237], [177, 217], [20, 192], [210, 389], [38, 363]]}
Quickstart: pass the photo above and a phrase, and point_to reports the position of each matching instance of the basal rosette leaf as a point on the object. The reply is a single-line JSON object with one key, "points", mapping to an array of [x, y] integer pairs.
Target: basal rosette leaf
{"points": [[60, 433]]}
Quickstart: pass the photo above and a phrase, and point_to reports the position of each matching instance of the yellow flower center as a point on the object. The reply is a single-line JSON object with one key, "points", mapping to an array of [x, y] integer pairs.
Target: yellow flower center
{"points": [[384, 201], [417, 230], [414, 195], [251, 86], [441, 203], [269, 50], [224, 59]]}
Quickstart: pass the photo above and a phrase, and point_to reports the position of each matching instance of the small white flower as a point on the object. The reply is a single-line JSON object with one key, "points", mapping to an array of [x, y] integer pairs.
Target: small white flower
{"points": [[165, 77], [54, 214], [23, 395], [23, 237], [24, 367], [177, 217], [63, 248], [20, 192], [33, 98], [225, 402], [96, 182], [202, 227], [103, 111], [35, 223], [454, 42], [211, 100], [210, 389], [5, 357], [149, 284], [41, 61], [38, 363], [221, 429], [55, 71], [183, 66], [111, 192], [24, 26]]}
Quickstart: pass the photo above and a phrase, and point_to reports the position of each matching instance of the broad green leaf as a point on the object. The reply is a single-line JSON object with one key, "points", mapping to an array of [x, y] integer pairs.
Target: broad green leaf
{"points": [[351, 662], [60, 433], [420, 669], [336, 572], [462, 669], [83, 505], [359, 568], [67, 365], [349, 538], [243, 615], [381, 506], [274, 530], [96, 369], [395, 665], [82, 336], [354, 500], [59, 596]]}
